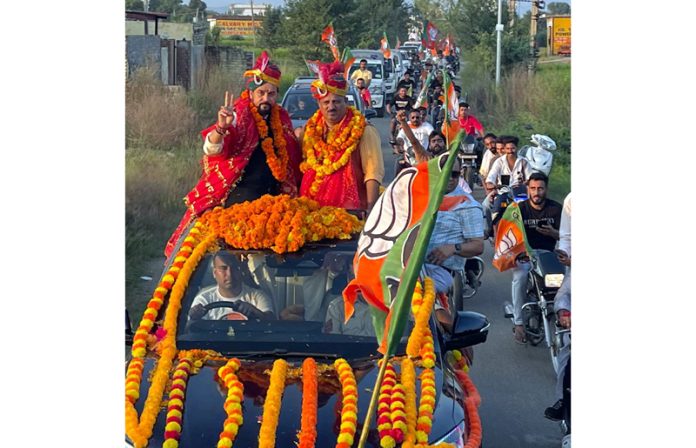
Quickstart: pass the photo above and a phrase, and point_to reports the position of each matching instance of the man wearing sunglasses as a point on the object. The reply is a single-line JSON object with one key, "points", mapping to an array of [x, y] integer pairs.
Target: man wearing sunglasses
{"points": [[458, 233]]}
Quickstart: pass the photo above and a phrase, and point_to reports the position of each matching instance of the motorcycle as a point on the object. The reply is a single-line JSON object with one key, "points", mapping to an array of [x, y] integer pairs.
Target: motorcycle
{"points": [[539, 156], [468, 155], [538, 315]]}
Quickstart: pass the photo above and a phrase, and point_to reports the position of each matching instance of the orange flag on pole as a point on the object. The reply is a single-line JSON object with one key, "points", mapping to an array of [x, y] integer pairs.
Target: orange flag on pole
{"points": [[385, 46], [329, 37], [510, 239]]}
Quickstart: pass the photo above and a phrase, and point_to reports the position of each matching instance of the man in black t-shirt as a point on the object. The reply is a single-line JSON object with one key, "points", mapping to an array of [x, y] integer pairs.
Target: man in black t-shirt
{"points": [[542, 219], [408, 82], [401, 101]]}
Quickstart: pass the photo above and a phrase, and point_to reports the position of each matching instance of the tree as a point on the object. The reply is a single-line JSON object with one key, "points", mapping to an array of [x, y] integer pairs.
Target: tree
{"points": [[558, 8], [385, 16], [271, 32], [135, 5]]}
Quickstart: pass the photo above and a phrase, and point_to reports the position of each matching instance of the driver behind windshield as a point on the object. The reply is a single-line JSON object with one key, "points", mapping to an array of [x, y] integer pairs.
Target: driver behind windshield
{"points": [[245, 302]]}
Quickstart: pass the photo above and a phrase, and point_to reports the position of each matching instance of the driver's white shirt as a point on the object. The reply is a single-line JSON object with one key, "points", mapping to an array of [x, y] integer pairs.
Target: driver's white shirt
{"points": [[422, 133], [518, 174], [212, 294]]}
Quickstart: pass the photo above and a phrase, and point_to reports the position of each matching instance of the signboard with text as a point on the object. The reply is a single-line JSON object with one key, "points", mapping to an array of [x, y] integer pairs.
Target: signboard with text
{"points": [[561, 35], [237, 27]]}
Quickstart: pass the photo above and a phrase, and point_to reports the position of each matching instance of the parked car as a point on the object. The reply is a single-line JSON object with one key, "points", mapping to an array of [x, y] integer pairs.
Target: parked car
{"points": [[376, 64], [301, 105], [311, 281]]}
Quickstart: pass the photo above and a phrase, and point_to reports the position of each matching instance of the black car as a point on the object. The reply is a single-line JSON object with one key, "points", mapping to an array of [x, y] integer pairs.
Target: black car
{"points": [[304, 289], [301, 105]]}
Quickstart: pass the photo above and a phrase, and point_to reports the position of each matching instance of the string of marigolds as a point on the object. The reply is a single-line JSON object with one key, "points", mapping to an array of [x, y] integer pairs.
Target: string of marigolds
{"points": [[308, 427], [175, 405], [325, 158], [139, 428], [278, 163], [384, 421], [233, 403], [349, 405], [271, 407]]}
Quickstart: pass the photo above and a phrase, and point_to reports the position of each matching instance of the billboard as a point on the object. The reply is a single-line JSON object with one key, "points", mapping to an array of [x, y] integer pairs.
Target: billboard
{"points": [[560, 35], [237, 26]]}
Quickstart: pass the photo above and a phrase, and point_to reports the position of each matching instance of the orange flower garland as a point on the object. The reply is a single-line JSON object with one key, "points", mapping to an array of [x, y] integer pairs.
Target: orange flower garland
{"points": [[427, 406], [408, 379], [308, 428], [280, 223], [422, 315], [175, 406], [277, 163], [349, 408], [471, 404], [325, 158], [460, 362], [139, 430], [427, 351], [384, 421], [271, 408], [233, 403], [398, 415]]}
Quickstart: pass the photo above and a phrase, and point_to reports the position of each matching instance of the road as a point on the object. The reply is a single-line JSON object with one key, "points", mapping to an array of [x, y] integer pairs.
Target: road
{"points": [[516, 382]]}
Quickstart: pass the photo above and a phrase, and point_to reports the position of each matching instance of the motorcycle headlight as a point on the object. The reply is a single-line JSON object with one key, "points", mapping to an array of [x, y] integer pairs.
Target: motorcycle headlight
{"points": [[454, 437], [553, 280]]}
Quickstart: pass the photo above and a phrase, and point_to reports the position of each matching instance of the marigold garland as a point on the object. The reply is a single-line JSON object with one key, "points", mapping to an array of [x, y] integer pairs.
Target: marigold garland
{"points": [[327, 157], [421, 310], [426, 407], [349, 405], [233, 403], [398, 414], [460, 362], [384, 421], [408, 379], [270, 145], [472, 401], [271, 407], [172, 429], [280, 223], [139, 429], [308, 427]]}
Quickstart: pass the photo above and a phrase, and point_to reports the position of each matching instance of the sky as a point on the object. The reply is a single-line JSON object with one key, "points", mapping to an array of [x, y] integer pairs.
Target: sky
{"points": [[221, 5]]}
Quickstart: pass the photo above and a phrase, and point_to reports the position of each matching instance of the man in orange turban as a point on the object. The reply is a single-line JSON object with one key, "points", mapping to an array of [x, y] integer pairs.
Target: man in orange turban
{"points": [[250, 151], [342, 155]]}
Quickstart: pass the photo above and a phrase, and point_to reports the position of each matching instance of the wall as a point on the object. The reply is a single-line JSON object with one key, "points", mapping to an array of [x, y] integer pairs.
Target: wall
{"points": [[166, 30], [142, 51]]}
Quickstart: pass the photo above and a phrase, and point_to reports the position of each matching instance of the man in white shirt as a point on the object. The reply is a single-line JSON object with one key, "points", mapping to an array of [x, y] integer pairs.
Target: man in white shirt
{"points": [[245, 302], [419, 128], [489, 156]]}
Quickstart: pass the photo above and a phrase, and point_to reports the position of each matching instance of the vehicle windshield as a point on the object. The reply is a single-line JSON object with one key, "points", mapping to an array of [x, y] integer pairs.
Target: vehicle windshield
{"points": [[375, 68], [297, 303], [300, 105]]}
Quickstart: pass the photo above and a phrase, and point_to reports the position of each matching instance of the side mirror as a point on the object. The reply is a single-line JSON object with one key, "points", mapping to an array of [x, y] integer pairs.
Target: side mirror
{"points": [[129, 330], [469, 328], [370, 113]]}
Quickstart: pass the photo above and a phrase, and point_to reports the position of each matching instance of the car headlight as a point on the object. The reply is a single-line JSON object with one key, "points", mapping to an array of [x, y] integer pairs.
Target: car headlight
{"points": [[455, 436], [553, 280]]}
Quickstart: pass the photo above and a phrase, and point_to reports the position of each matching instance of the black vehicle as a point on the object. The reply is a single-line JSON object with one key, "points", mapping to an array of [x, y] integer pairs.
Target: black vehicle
{"points": [[301, 105], [305, 291]]}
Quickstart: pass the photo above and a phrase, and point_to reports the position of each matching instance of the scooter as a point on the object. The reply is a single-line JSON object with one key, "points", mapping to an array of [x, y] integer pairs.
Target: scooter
{"points": [[539, 156], [538, 315]]}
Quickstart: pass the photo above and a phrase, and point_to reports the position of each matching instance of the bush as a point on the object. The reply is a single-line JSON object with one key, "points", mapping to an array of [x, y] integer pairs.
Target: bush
{"points": [[157, 116]]}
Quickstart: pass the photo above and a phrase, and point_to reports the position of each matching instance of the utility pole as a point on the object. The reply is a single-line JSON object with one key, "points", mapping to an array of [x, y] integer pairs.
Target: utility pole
{"points": [[499, 31], [253, 28], [536, 4]]}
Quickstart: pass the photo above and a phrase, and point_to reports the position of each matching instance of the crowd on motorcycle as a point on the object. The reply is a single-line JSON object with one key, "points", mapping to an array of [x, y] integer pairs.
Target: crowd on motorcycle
{"points": [[540, 290]]}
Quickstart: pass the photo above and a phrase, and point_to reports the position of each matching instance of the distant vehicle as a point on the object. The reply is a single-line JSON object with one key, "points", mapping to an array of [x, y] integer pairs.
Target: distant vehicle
{"points": [[411, 45], [301, 105], [376, 64]]}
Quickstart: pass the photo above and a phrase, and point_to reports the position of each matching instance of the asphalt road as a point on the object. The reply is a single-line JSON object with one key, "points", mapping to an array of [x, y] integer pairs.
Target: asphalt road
{"points": [[516, 382]]}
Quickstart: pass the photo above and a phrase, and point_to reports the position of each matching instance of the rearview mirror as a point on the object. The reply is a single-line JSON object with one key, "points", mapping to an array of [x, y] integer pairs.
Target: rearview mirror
{"points": [[370, 113], [469, 328]]}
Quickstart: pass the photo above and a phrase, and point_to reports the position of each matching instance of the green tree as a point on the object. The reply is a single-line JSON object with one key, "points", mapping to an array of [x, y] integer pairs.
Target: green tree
{"points": [[375, 18], [271, 28], [558, 8], [135, 5]]}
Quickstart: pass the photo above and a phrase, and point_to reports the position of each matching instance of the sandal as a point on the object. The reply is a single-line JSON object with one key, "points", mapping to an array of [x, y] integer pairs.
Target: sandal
{"points": [[520, 336]]}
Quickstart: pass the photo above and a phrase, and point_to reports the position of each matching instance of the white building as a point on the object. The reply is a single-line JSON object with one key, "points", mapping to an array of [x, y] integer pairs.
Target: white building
{"points": [[244, 9]]}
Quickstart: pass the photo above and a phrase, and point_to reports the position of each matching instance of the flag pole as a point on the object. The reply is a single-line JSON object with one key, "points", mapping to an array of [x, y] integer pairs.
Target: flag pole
{"points": [[373, 402]]}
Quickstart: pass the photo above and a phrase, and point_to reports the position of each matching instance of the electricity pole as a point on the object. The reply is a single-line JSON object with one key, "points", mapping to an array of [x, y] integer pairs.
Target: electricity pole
{"points": [[536, 4], [253, 28], [499, 31]]}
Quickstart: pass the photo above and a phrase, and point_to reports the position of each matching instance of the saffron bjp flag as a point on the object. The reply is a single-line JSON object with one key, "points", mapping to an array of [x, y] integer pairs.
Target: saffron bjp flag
{"points": [[432, 35], [384, 46], [392, 246], [450, 125], [510, 239], [446, 50], [329, 37], [347, 60], [422, 99], [313, 66]]}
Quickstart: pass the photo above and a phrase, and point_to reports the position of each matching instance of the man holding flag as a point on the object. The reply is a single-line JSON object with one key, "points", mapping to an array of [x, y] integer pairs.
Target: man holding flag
{"points": [[540, 219]]}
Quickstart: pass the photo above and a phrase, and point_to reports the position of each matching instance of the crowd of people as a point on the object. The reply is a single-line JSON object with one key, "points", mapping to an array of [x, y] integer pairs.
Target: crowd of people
{"points": [[252, 149]]}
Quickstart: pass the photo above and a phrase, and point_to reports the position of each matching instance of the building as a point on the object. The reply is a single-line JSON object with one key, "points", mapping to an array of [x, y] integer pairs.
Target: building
{"points": [[240, 9]]}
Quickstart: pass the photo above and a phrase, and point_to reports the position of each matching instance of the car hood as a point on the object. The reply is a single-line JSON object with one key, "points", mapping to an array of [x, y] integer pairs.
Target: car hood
{"points": [[203, 413]]}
